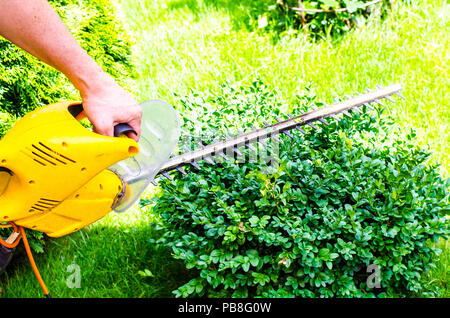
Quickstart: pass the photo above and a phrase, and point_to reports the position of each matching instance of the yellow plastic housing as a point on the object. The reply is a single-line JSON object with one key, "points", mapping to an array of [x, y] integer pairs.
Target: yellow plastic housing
{"points": [[90, 203], [52, 171]]}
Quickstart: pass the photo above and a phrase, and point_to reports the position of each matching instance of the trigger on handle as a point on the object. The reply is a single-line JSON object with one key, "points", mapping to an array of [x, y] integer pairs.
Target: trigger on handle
{"points": [[123, 128]]}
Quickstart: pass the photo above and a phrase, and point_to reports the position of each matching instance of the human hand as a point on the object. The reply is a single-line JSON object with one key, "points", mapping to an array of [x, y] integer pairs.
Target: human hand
{"points": [[108, 105]]}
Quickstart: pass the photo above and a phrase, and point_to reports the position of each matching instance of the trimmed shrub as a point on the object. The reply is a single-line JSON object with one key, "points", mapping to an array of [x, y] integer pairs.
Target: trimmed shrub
{"points": [[352, 210], [6, 122]]}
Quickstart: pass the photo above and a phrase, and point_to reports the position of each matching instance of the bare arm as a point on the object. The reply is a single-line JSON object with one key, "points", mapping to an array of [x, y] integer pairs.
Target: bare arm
{"points": [[34, 26]]}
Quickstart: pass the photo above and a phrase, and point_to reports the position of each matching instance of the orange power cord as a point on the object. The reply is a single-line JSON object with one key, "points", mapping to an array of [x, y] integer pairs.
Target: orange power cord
{"points": [[21, 231]]}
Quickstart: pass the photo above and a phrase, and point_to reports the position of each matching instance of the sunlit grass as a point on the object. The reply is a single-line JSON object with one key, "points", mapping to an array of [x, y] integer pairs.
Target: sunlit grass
{"points": [[179, 48], [439, 277]]}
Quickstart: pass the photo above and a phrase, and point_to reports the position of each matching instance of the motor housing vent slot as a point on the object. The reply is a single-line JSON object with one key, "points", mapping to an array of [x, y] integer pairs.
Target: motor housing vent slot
{"points": [[44, 205], [45, 155]]}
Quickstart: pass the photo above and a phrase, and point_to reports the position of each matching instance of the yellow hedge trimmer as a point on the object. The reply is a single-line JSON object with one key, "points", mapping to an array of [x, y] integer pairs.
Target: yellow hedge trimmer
{"points": [[57, 176]]}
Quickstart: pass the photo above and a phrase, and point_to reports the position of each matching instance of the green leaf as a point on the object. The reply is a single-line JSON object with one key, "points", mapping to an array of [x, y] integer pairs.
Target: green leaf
{"points": [[262, 22], [253, 220], [146, 273], [253, 256], [350, 211], [352, 5], [330, 3]]}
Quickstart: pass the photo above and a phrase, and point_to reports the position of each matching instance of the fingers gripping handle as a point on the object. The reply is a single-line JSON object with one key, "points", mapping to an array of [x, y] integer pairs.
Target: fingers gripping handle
{"points": [[76, 111], [123, 128]]}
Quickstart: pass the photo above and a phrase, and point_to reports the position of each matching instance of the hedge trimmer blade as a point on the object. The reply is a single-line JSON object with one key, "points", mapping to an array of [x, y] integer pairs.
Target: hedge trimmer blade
{"points": [[230, 144]]}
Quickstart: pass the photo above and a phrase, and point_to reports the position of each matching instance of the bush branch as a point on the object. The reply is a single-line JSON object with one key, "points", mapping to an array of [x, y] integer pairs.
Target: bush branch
{"points": [[302, 9]]}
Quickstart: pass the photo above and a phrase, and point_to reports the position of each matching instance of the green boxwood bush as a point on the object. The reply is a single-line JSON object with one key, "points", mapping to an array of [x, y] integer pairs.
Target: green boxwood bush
{"points": [[349, 201]]}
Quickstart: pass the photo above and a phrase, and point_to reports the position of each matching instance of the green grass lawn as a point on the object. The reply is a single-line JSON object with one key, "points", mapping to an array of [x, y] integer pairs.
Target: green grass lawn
{"points": [[181, 47], [197, 45]]}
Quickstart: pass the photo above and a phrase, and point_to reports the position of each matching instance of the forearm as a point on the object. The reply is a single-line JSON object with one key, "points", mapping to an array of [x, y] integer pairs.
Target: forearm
{"points": [[34, 26]]}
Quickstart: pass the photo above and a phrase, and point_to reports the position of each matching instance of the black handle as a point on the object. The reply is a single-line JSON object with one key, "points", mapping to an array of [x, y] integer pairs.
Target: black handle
{"points": [[123, 128]]}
